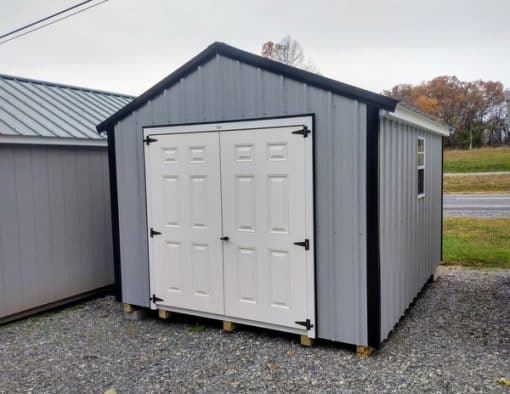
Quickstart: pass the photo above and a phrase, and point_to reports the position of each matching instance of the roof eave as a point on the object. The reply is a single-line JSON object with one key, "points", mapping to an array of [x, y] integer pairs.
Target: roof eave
{"points": [[62, 141], [407, 115]]}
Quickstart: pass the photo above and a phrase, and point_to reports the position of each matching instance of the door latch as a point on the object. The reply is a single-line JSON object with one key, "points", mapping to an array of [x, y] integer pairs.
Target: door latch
{"points": [[307, 323], [155, 299], [148, 140], [304, 131], [154, 232], [305, 244], [224, 238]]}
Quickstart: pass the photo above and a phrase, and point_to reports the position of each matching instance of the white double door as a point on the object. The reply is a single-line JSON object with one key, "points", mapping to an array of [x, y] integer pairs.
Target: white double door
{"points": [[230, 207]]}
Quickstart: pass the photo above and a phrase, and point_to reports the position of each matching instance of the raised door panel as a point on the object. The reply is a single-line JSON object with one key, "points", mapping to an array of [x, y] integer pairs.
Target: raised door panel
{"points": [[263, 197], [184, 205]]}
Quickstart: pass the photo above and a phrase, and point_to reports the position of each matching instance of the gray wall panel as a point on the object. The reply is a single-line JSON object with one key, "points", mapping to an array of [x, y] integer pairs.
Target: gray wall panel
{"points": [[410, 227], [11, 290], [58, 215], [132, 219], [55, 241], [223, 89]]}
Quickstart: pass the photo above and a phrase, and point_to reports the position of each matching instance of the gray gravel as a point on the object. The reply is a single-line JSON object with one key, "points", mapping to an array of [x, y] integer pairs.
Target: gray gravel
{"points": [[455, 338]]}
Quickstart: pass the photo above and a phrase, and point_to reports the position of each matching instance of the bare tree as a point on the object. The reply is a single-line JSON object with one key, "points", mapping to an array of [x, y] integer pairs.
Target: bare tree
{"points": [[288, 51]]}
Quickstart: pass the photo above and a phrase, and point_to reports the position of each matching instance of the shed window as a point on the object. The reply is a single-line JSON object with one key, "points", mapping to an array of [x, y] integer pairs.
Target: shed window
{"points": [[420, 163]]}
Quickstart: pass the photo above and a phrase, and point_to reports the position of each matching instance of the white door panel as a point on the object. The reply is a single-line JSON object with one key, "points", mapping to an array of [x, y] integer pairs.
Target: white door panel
{"points": [[248, 181], [184, 204], [263, 197]]}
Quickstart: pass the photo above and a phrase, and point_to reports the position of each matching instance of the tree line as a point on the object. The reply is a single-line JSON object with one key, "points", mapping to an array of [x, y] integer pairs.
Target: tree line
{"points": [[475, 109]]}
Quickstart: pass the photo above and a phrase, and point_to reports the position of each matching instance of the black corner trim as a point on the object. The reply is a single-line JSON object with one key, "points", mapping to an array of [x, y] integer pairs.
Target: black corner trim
{"points": [[373, 252], [114, 209], [219, 48], [442, 181]]}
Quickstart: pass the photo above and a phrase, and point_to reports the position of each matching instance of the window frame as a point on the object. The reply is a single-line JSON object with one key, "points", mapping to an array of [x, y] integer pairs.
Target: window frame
{"points": [[420, 166]]}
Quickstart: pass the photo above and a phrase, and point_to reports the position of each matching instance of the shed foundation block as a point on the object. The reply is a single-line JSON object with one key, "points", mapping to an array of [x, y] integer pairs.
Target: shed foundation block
{"points": [[305, 341], [139, 314], [129, 308], [364, 351], [163, 314], [436, 274], [228, 326]]}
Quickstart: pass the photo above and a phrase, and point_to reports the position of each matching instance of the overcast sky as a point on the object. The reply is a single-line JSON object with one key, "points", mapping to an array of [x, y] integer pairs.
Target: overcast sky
{"points": [[128, 45]]}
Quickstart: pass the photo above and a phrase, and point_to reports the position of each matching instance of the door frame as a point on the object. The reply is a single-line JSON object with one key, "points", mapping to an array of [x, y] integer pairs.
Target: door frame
{"points": [[307, 120]]}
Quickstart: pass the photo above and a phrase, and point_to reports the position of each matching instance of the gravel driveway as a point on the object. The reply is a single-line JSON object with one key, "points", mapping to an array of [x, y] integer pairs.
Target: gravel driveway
{"points": [[455, 338]]}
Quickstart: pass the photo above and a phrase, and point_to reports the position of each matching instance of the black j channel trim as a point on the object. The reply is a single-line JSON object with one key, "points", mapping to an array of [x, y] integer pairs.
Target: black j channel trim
{"points": [[114, 207], [373, 252]]}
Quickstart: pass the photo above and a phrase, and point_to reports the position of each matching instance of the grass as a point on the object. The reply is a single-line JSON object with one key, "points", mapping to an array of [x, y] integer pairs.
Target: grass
{"points": [[477, 242], [477, 160], [476, 183]]}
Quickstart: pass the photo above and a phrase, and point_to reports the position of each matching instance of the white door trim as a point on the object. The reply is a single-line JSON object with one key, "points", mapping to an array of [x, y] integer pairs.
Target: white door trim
{"points": [[298, 121]]}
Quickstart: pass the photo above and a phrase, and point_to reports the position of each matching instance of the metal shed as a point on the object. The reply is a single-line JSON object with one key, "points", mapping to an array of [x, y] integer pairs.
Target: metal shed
{"points": [[55, 221], [254, 192]]}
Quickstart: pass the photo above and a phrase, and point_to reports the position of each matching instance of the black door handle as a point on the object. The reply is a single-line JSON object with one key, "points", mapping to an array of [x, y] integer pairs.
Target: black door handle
{"points": [[224, 238]]}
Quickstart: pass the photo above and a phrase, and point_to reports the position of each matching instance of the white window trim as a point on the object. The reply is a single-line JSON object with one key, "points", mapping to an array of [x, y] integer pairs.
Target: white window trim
{"points": [[421, 167]]}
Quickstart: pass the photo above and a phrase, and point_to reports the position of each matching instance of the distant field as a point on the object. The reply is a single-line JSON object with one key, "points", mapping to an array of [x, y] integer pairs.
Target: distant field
{"points": [[477, 242], [476, 183], [482, 159]]}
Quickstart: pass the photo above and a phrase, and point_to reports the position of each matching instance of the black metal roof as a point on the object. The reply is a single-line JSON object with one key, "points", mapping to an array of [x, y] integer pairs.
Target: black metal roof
{"points": [[219, 48]]}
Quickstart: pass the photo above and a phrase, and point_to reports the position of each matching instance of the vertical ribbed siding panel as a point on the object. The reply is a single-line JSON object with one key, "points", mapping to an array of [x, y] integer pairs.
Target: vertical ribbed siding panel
{"points": [[410, 227], [53, 239], [132, 222], [224, 89]]}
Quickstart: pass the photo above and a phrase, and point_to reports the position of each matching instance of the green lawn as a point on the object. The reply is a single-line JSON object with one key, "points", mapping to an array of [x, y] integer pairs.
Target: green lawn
{"points": [[477, 242], [477, 160], [476, 183]]}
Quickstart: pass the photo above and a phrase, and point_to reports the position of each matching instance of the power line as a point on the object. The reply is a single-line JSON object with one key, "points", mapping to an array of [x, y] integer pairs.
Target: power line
{"points": [[44, 19], [49, 23]]}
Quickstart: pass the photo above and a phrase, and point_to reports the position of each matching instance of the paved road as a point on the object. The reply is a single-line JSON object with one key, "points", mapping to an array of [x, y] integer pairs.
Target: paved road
{"points": [[476, 173], [479, 205]]}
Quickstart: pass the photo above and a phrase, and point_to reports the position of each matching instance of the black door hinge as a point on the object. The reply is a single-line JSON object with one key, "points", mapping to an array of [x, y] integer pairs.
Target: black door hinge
{"points": [[154, 232], [304, 131], [155, 299], [305, 244], [148, 140], [307, 324]]}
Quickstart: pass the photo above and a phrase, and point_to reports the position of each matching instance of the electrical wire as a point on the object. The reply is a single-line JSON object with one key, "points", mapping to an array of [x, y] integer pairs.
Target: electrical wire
{"points": [[45, 19], [50, 23]]}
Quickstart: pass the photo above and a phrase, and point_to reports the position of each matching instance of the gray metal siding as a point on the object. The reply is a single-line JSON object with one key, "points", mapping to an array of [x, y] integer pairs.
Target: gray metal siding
{"points": [[224, 89], [55, 225], [410, 228]]}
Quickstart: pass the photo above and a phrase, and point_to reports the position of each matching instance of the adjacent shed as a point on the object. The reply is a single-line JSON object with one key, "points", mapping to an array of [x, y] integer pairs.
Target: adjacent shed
{"points": [[55, 220], [254, 192]]}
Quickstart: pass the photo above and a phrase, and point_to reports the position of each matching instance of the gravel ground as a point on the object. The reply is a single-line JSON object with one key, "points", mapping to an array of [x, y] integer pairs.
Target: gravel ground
{"points": [[455, 338]]}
